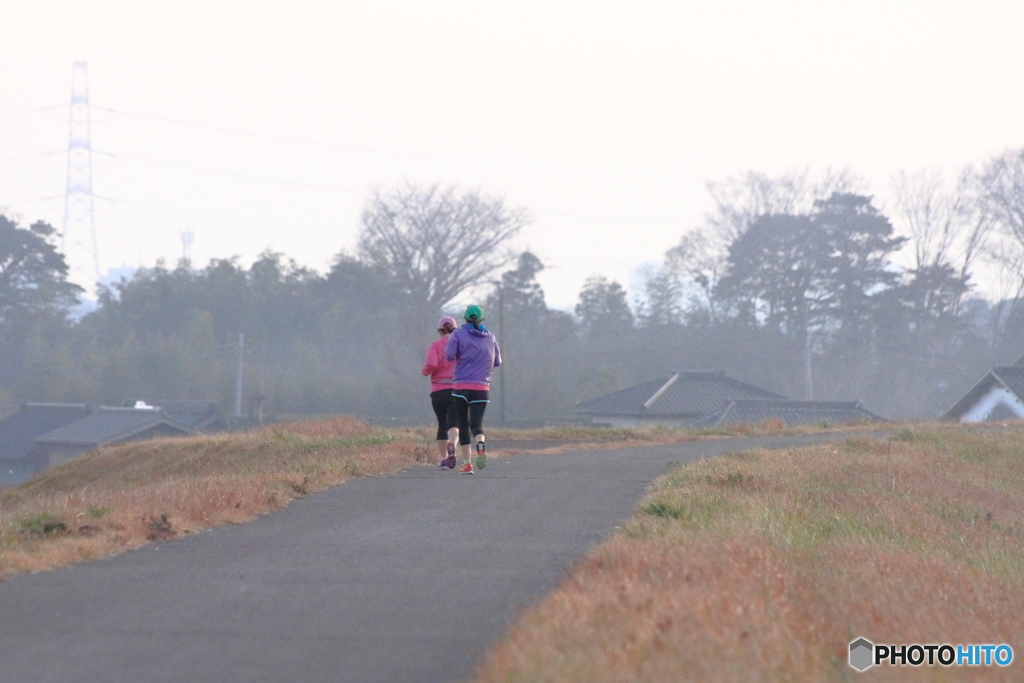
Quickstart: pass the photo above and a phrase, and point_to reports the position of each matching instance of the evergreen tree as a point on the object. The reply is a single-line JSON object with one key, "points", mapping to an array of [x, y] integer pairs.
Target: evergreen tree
{"points": [[602, 309], [35, 300]]}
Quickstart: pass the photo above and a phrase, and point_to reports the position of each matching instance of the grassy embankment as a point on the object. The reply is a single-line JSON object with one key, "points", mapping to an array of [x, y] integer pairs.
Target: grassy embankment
{"points": [[124, 496], [579, 437], [121, 497], [763, 566]]}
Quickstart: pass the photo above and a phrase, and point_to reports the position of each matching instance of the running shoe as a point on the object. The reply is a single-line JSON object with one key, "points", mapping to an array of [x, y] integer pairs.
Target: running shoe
{"points": [[467, 468], [450, 461], [481, 455]]}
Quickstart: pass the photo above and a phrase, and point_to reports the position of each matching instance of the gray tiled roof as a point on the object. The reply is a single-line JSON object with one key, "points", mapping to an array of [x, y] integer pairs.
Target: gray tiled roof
{"points": [[195, 413], [18, 432], [1010, 376], [111, 425], [685, 394], [628, 401], [790, 412]]}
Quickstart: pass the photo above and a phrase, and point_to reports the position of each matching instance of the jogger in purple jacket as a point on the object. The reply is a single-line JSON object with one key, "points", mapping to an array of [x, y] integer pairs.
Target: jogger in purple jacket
{"points": [[475, 352]]}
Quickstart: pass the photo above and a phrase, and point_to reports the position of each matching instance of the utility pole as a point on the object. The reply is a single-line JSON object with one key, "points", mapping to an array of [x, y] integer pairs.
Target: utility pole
{"points": [[807, 352], [239, 352], [78, 240], [187, 238], [501, 335]]}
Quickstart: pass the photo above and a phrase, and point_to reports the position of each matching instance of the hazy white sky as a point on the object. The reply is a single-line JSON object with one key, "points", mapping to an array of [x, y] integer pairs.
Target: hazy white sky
{"points": [[603, 119]]}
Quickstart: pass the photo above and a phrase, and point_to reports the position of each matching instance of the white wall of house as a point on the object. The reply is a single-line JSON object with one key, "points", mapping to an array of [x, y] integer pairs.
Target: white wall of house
{"points": [[980, 411]]}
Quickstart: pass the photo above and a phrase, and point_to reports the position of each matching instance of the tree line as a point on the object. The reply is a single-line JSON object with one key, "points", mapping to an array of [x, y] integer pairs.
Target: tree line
{"points": [[798, 283]]}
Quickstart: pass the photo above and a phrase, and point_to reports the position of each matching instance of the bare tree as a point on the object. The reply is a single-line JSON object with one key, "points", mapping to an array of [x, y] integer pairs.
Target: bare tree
{"points": [[741, 199], [699, 261], [437, 242], [1007, 258], [947, 227], [1002, 191], [1003, 182]]}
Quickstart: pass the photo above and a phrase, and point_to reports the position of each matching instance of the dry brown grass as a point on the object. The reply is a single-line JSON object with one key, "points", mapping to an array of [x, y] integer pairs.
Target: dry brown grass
{"points": [[122, 497], [763, 566], [577, 437]]}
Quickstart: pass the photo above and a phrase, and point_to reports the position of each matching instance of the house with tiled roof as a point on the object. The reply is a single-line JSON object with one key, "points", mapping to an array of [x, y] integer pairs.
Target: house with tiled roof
{"points": [[108, 426], [711, 398], [998, 396], [19, 457], [204, 415], [677, 400], [789, 412]]}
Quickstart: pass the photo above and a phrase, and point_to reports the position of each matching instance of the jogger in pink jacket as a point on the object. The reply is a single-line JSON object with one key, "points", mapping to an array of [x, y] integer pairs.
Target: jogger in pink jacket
{"points": [[440, 370]]}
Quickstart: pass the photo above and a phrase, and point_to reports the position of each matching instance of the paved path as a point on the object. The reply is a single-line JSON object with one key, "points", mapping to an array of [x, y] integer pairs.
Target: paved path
{"points": [[407, 577]]}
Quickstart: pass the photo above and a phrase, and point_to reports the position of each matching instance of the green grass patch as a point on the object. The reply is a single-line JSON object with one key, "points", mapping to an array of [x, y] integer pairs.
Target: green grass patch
{"points": [[98, 511], [42, 525], [695, 511]]}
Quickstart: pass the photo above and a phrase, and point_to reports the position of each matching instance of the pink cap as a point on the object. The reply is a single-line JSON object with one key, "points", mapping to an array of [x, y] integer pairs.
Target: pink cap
{"points": [[446, 320]]}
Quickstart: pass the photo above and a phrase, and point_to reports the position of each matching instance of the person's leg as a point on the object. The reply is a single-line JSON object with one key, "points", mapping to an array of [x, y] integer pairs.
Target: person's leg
{"points": [[477, 407], [453, 417], [458, 426], [458, 414], [476, 419], [439, 401], [464, 431]]}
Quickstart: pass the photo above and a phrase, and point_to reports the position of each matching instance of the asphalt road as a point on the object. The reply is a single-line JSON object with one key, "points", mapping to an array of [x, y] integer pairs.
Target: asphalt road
{"points": [[408, 577]]}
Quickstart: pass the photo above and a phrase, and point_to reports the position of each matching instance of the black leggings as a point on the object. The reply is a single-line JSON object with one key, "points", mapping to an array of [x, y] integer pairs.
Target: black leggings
{"points": [[441, 402], [467, 413]]}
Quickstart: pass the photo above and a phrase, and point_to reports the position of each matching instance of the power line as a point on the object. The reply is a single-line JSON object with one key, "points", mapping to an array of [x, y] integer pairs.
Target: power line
{"points": [[327, 188], [36, 155], [230, 174], [328, 145], [391, 152], [336, 188], [38, 200], [227, 130], [21, 112], [618, 218], [346, 190], [231, 219]]}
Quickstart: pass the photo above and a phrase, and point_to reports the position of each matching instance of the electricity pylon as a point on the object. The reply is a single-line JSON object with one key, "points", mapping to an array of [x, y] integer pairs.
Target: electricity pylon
{"points": [[78, 240]]}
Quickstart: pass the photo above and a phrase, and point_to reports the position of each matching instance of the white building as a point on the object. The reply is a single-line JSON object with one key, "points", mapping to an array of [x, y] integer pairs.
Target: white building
{"points": [[998, 396]]}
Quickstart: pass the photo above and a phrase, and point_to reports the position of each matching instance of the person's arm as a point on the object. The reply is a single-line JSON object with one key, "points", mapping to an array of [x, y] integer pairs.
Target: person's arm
{"points": [[497, 354], [451, 348], [432, 361]]}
